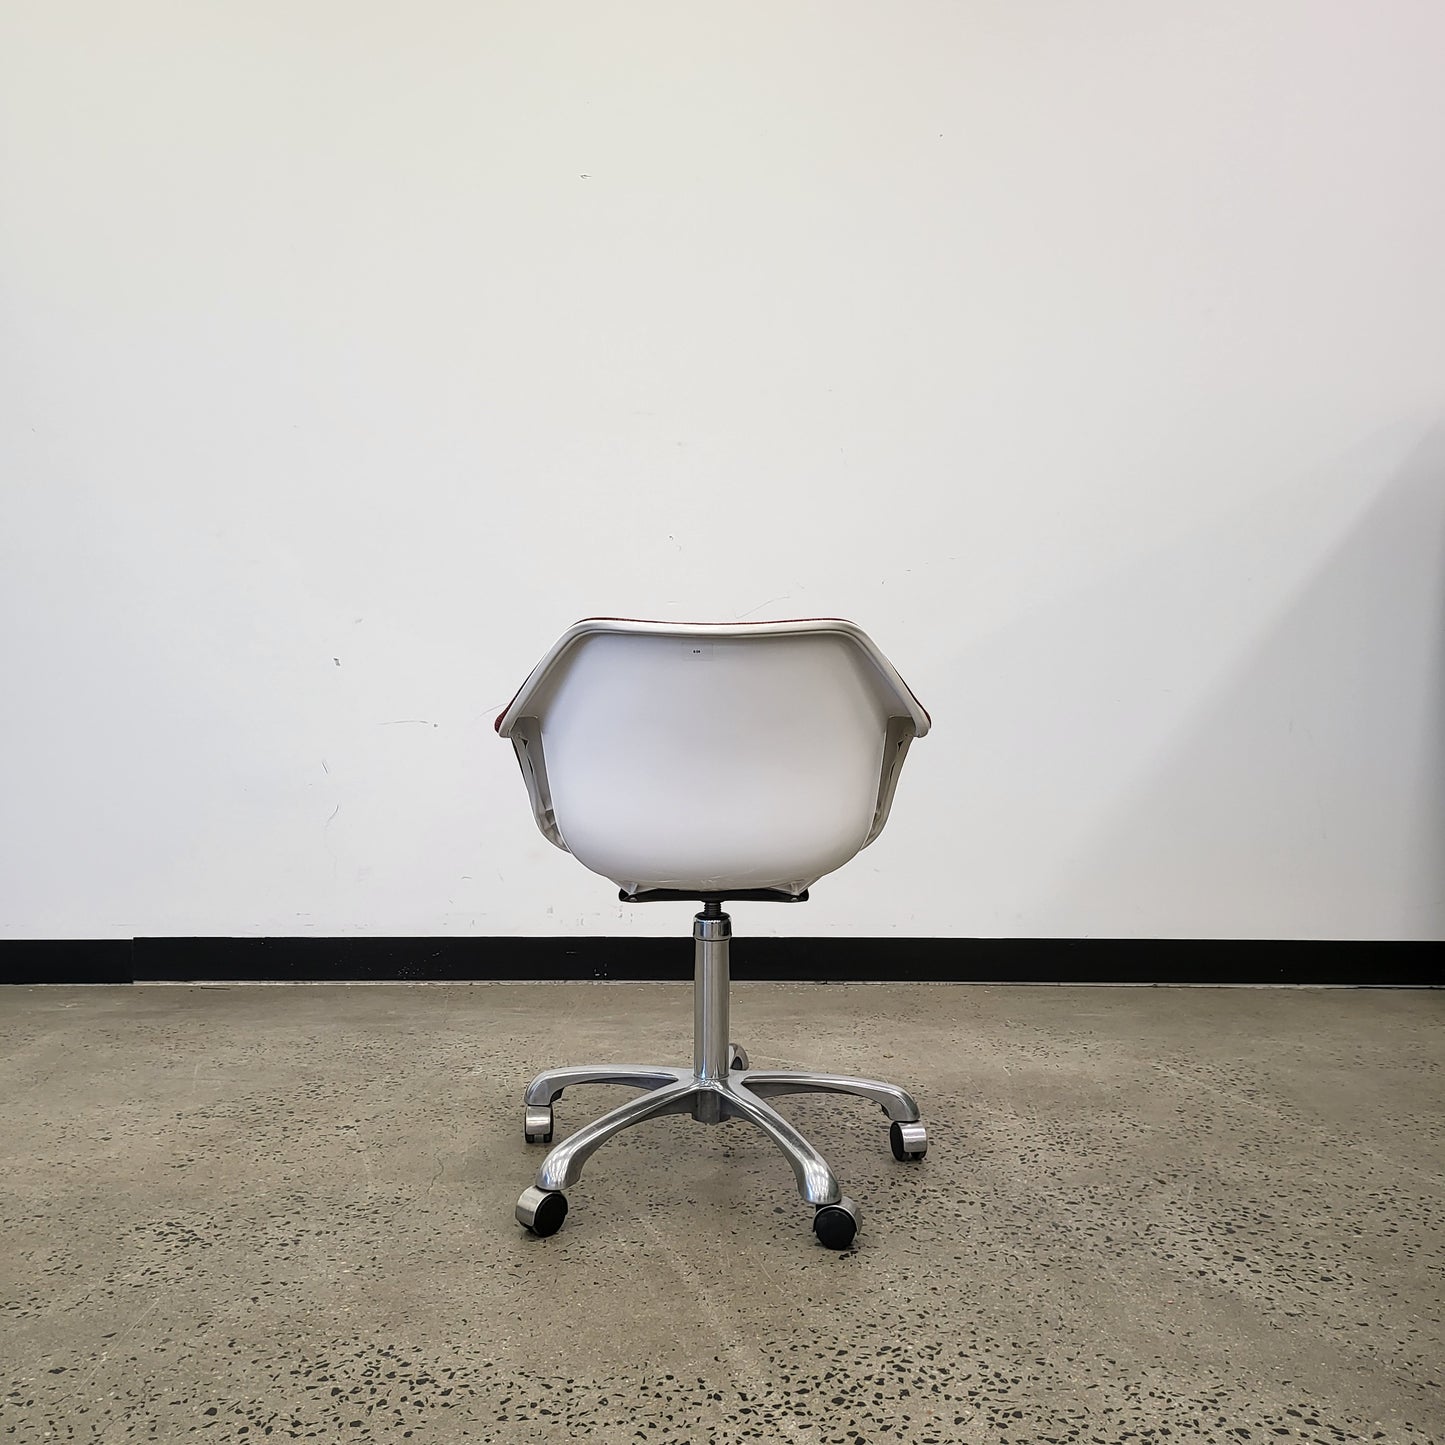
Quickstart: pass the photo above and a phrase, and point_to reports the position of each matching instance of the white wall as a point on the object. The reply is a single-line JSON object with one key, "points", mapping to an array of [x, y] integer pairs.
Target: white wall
{"points": [[1092, 357]]}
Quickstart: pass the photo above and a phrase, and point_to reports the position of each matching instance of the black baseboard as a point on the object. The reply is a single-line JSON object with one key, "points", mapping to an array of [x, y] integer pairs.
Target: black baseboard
{"points": [[834, 960]]}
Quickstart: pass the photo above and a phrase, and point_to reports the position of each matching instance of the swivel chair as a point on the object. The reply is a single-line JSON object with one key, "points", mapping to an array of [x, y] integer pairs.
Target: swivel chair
{"points": [[708, 762]]}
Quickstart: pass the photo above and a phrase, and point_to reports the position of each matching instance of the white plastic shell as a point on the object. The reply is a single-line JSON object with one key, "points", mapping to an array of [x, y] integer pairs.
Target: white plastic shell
{"points": [[712, 756]]}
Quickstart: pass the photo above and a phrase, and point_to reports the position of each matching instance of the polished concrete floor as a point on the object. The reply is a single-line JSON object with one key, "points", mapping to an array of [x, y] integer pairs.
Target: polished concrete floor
{"points": [[256, 1213]]}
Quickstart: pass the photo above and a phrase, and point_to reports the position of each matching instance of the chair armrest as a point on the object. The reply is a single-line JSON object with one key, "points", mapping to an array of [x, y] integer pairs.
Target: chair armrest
{"points": [[900, 734], [526, 738]]}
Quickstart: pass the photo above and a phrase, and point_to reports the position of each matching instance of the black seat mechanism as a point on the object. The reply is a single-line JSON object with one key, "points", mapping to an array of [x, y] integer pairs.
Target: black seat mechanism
{"points": [[739, 895]]}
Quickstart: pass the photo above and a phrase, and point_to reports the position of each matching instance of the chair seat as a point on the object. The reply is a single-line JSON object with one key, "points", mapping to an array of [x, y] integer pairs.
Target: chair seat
{"points": [[712, 757]]}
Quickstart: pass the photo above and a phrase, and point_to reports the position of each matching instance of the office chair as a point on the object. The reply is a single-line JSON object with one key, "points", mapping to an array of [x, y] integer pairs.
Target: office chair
{"points": [[708, 762]]}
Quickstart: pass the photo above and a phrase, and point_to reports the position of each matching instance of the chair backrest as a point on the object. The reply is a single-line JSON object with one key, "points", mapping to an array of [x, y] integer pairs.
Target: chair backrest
{"points": [[712, 757]]}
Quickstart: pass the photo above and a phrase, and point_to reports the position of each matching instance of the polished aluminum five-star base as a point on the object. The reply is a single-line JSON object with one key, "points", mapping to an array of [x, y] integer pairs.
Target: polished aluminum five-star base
{"points": [[718, 1087]]}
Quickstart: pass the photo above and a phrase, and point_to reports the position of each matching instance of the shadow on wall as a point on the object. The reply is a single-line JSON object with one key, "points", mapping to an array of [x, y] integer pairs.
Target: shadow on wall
{"points": [[1304, 795]]}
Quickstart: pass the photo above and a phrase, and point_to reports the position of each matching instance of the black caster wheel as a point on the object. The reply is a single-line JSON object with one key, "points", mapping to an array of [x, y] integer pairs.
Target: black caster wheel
{"points": [[836, 1224], [737, 1056], [537, 1124], [541, 1210], [908, 1141]]}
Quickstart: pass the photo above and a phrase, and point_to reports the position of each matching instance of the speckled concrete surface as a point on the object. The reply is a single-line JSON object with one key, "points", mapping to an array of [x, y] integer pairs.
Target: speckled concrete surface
{"points": [[285, 1213]]}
